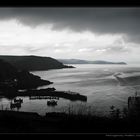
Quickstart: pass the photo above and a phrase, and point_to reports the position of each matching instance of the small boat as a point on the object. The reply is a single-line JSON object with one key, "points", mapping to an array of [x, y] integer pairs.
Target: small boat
{"points": [[15, 105], [52, 103]]}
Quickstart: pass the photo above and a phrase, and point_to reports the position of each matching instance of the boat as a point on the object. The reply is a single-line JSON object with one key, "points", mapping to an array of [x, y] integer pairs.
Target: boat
{"points": [[15, 105], [52, 103]]}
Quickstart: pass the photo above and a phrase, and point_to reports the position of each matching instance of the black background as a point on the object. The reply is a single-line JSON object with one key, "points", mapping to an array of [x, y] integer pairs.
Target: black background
{"points": [[65, 3]]}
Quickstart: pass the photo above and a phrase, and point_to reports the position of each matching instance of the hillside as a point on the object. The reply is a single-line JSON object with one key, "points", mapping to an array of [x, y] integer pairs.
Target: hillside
{"points": [[33, 63], [78, 61], [7, 71], [14, 79]]}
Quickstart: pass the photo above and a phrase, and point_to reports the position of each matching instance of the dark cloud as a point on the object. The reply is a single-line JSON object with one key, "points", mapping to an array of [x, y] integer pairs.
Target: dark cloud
{"points": [[99, 20]]}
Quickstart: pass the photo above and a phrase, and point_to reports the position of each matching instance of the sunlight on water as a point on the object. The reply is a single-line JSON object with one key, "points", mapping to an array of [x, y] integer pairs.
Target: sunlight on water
{"points": [[97, 82]]}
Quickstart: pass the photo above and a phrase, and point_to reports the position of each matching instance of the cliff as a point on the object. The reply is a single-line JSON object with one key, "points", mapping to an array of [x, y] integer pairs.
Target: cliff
{"points": [[12, 79], [33, 63]]}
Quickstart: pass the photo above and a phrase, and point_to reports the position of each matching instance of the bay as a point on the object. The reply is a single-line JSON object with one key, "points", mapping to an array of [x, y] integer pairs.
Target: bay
{"points": [[97, 82]]}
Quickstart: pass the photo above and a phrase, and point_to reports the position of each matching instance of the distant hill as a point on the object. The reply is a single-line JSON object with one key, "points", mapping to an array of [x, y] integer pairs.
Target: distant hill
{"points": [[33, 63], [78, 61]]}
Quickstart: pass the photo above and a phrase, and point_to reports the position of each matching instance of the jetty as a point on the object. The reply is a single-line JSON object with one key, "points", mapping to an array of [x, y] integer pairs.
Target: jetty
{"points": [[42, 97], [73, 96]]}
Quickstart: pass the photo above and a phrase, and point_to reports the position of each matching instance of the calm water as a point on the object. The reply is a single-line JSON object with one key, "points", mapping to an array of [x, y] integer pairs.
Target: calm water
{"points": [[97, 82]]}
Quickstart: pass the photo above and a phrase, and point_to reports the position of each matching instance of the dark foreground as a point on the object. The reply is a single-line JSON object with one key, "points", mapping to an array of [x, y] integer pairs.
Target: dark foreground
{"points": [[23, 122]]}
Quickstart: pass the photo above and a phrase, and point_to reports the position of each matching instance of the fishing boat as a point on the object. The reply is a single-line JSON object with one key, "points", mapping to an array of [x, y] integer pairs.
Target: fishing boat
{"points": [[15, 105], [52, 103]]}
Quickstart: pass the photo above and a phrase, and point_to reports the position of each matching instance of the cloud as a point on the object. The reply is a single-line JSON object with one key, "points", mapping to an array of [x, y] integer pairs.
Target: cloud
{"points": [[85, 50], [97, 20], [117, 49], [17, 38]]}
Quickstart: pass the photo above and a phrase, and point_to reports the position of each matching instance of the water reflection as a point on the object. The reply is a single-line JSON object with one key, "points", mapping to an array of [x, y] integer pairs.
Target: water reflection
{"points": [[39, 104]]}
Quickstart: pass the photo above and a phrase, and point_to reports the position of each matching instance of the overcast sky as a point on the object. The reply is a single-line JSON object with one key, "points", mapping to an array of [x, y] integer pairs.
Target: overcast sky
{"points": [[111, 34]]}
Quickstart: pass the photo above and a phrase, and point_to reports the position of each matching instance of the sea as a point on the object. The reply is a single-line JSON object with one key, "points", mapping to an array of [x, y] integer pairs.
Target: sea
{"points": [[98, 82]]}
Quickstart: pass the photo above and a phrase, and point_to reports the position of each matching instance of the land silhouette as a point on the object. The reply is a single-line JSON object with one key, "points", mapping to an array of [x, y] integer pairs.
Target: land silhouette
{"points": [[79, 61], [13, 79], [33, 63]]}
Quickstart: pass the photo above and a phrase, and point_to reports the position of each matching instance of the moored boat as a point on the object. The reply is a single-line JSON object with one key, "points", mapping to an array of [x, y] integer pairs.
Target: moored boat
{"points": [[52, 103]]}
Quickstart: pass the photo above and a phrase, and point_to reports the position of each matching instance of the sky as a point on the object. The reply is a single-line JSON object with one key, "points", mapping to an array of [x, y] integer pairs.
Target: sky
{"points": [[94, 33]]}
